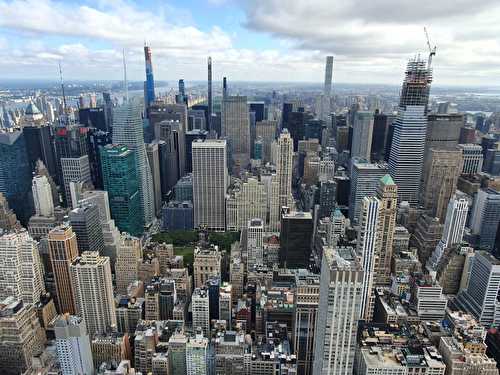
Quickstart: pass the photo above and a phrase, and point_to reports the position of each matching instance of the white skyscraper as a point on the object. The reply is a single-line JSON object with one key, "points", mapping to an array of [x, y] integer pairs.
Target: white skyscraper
{"points": [[362, 135], [454, 226], [235, 126], [327, 91], [200, 310], [128, 131], [255, 245], [93, 290], [341, 289], [21, 274], [129, 255], [197, 356], [42, 196], [367, 249], [75, 171], [210, 179], [284, 166], [73, 346]]}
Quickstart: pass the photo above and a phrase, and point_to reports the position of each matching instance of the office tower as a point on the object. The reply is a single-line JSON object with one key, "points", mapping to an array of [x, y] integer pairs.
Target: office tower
{"points": [[408, 143], [297, 127], [284, 165], [339, 308], [63, 250], [87, 226], [245, 201], [192, 136], [181, 97], [177, 353], [210, 179], [428, 232], [362, 135], [75, 173], [128, 131], [485, 217], [171, 132], [480, 296], [387, 193], [266, 130], [200, 310], [209, 94], [207, 263], [443, 133], [73, 345], [21, 336], [21, 273], [197, 356], [93, 289], [154, 164], [129, 253], [39, 145], [255, 245], [440, 182], [224, 88], [15, 172], [96, 140], [213, 287], [381, 125], [225, 303], [428, 297], [368, 247], [327, 198], [177, 216], [236, 274], [328, 76], [454, 226], [196, 121], [70, 142], [365, 179], [121, 181], [108, 110], [236, 128], [93, 117], [8, 219], [295, 239], [306, 310], [473, 158], [149, 84], [42, 196]]}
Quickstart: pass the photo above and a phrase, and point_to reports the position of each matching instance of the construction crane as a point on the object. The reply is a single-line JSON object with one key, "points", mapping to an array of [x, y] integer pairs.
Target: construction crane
{"points": [[432, 50]]}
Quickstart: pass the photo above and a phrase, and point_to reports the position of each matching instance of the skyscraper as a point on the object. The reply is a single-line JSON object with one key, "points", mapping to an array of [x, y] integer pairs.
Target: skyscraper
{"points": [[295, 239], [154, 162], [39, 139], [328, 76], [21, 274], [73, 345], [149, 84], [128, 131], [75, 173], [93, 291], [209, 94], [210, 179], [197, 356], [126, 267], [63, 250], [255, 245], [408, 142], [86, 224], [284, 166], [362, 135], [236, 128], [200, 309], [473, 158], [42, 196], [122, 184], [485, 217], [341, 289]]}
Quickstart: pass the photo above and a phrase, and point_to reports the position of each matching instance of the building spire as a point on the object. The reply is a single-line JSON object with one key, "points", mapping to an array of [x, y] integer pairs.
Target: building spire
{"points": [[125, 83]]}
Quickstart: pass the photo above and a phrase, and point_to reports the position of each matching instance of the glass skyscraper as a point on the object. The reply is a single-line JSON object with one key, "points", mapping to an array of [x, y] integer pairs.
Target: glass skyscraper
{"points": [[122, 184], [149, 84]]}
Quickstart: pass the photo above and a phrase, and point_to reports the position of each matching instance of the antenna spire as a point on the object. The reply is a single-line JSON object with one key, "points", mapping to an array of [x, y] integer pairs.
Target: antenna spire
{"points": [[125, 84]]}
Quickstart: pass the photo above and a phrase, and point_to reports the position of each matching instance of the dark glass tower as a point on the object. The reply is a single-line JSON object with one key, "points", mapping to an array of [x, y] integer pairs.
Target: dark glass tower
{"points": [[149, 84]]}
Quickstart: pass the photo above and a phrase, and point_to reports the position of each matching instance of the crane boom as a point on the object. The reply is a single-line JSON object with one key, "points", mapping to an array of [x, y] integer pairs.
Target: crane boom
{"points": [[432, 50]]}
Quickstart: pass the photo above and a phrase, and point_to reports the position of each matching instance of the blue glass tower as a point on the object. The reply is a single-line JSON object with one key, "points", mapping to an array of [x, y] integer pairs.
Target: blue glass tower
{"points": [[149, 84]]}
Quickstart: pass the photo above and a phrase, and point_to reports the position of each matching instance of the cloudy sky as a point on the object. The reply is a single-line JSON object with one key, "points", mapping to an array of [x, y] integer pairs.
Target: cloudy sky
{"points": [[253, 40]]}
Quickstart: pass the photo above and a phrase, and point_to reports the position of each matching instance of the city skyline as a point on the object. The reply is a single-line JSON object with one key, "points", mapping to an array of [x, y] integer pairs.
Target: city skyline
{"points": [[368, 44]]}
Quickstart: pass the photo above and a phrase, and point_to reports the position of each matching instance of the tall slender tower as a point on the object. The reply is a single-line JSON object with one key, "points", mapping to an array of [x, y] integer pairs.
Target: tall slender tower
{"points": [[408, 144], [327, 91], [387, 193], [128, 131], [368, 245], [224, 88], [209, 95], [42, 196], [149, 84], [284, 165]]}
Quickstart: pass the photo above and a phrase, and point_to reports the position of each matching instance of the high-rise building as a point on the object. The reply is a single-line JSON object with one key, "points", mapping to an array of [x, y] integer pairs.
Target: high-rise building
{"points": [[408, 142], [387, 193], [21, 336], [255, 245], [207, 263], [368, 247], [149, 84], [327, 90], [284, 166], [128, 131], [246, 200], [210, 179], [485, 217], [73, 345], [365, 179], [440, 182], [236, 129], [42, 196], [122, 184], [473, 158], [126, 268], [295, 239], [339, 308], [8, 219], [362, 135], [381, 124], [197, 356], [480, 298], [63, 250], [93, 290], [15, 172], [86, 224], [39, 144], [171, 132], [154, 164], [209, 94], [200, 310], [75, 174], [306, 310], [266, 130], [21, 273]]}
